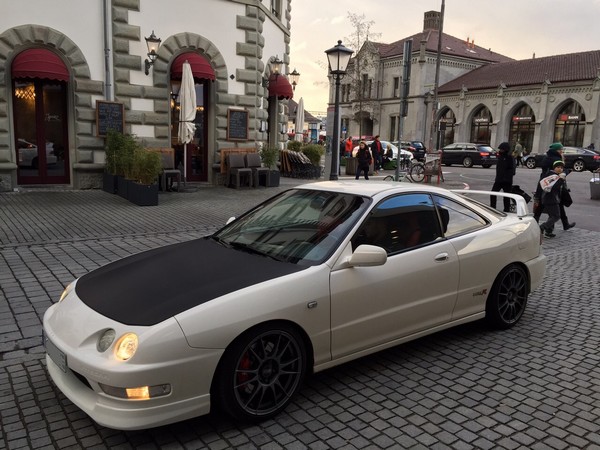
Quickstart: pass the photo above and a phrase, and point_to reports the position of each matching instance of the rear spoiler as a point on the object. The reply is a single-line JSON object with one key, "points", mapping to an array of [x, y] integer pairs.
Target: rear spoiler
{"points": [[521, 209]]}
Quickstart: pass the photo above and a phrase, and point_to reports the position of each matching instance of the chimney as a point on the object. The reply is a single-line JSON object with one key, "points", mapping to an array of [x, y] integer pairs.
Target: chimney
{"points": [[432, 20]]}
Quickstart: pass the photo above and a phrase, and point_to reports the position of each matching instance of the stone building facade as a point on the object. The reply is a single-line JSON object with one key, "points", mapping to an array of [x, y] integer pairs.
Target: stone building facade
{"points": [[483, 97], [59, 59]]}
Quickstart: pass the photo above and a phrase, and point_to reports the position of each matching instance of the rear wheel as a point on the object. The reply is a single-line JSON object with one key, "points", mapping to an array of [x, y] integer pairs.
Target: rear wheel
{"points": [[468, 161], [530, 163], [508, 298], [260, 372], [579, 166]]}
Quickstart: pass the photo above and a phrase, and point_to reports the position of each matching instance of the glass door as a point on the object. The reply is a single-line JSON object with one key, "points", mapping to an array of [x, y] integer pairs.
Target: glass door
{"points": [[40, 120]]}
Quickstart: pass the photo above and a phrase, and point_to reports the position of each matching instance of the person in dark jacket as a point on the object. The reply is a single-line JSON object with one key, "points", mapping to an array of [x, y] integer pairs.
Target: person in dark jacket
{"points": [[377, 153], [553, 154], [505, 170], [364, 158], [551, 199]]}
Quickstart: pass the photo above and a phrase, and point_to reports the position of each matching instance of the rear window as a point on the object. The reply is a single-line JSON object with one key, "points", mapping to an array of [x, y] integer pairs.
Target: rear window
{"points": [[417, 144], [486, 148]]}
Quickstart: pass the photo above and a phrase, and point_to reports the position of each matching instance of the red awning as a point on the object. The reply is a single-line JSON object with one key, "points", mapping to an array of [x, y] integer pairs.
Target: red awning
{"points": [[280, 87], [201, 68], [39, 63]]}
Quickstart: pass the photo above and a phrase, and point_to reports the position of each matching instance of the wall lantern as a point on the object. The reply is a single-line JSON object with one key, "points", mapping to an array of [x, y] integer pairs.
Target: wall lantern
{"points": [[153, 43], [275, 63], [294, 76]]}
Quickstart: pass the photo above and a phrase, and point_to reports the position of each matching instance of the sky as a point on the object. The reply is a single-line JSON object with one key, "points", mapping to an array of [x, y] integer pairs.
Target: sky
{"points": [[514, 28]]}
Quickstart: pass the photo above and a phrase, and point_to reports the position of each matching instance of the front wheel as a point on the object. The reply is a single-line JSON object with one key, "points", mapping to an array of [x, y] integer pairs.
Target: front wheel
{"points": [[508, 298], [417, 173], [468, 162], [530, 163], [260, 373]]}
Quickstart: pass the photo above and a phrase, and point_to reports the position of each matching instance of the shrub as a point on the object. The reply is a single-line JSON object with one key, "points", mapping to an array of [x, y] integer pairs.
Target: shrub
{"points": [[314, 153], [146, 166], [294, 145], [269, 156]]}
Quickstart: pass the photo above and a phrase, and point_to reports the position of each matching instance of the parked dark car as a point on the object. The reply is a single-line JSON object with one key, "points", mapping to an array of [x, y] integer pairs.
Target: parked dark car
{"points": [[417, 148], [576, 158], [469, 155]]}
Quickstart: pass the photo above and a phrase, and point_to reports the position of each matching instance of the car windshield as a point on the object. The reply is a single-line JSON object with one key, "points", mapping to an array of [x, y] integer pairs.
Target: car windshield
{"points": [[299, 226]]}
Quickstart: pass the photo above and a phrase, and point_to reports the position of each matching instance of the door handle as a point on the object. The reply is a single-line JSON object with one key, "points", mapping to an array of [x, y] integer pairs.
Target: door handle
{"points": [[441, 257]]}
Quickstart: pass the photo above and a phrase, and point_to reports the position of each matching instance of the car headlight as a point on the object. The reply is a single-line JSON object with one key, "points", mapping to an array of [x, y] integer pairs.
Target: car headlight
{"points": [[66, 292], [126, 346]]}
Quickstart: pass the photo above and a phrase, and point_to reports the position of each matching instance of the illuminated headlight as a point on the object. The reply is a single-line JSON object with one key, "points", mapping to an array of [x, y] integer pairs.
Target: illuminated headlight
{"points": [[126, 346], [137, 393], [66, 292], [106, 340]]}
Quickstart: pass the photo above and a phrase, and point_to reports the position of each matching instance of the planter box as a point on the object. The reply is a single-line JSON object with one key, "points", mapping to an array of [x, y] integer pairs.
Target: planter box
{"points": [[274, 178], [109, 183], [123, 187], [143, 194]]}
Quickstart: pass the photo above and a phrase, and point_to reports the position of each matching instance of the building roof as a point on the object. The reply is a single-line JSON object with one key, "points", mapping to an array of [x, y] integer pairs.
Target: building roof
{"points": [[308, 117], [555, 69], [451, 46]]}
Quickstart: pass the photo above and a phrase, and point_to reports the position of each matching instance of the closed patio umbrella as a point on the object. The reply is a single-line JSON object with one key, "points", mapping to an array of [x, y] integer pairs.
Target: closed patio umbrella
{"points": [[300, 120], [187, 111]]}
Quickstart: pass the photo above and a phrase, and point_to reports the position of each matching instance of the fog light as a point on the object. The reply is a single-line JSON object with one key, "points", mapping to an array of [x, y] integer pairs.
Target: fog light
{"points": [[137, 393], [106, 340]]}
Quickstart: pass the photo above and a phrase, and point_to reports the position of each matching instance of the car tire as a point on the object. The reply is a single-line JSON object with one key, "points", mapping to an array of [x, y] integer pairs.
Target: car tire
{"points": [[468, 162], [578, 165], [530, 163], [508, 298], [260, 372]]}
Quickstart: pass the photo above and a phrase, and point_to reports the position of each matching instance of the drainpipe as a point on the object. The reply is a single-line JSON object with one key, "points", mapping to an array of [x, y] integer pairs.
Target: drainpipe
{"points": [[108, 94]]}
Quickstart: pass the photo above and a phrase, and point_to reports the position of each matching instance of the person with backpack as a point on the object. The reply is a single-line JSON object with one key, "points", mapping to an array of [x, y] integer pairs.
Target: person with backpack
{"points": [[363, 155]]}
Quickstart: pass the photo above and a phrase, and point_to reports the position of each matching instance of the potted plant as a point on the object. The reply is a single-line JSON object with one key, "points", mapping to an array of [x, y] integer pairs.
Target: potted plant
{"points": [[269, 157], [111, 150], [314, 152], [126, 146], [145, 168]]}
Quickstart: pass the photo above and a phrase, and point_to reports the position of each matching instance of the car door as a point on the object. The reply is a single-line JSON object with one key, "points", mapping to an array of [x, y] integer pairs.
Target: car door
{"points": [[413, 291]]}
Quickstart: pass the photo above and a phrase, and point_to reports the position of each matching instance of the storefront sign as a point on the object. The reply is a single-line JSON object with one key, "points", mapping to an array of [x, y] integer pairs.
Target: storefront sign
{"points": [[109, 116], [522, 118], [237, 125], [482, 120], [569, 117]]}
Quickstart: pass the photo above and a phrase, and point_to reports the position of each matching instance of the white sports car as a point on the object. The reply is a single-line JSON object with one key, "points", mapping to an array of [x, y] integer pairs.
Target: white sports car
{"points": [[314, 277]]}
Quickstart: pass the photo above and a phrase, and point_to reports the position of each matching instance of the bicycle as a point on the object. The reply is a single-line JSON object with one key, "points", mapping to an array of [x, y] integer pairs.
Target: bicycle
{"points": [[405, 165]]}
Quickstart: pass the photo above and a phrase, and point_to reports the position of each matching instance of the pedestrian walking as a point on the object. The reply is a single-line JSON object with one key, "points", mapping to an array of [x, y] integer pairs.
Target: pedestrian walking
{"points": [[505, 170], [364, 157], [554, 153], [349, 147], [518, 154], [552, 187], [377, 152]]}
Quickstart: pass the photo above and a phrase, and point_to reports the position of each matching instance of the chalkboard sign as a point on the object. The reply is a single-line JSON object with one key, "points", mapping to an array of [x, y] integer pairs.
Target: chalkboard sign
{"points": [[109, 116], [237, 125]]}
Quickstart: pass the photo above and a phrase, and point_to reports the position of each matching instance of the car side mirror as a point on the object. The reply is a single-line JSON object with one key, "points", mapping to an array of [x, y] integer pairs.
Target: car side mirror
{"points": [[368, 255]]}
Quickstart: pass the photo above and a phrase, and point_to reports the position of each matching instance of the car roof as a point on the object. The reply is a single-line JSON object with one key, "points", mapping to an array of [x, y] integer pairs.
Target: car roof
{"points": [[371, 189]]}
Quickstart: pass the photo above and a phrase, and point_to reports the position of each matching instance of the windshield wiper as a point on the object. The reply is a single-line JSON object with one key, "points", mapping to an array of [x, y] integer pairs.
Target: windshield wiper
{"points": [[218, 240], [248, 249]]}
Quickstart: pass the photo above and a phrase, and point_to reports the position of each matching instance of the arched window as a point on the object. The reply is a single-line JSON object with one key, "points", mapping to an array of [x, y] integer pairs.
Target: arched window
{"points": [[481, 126], [522, 128], [570, 125], [447, 123]]}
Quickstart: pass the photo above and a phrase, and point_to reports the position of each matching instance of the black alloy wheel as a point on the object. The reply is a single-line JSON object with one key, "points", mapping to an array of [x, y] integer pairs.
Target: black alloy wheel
{"points": [[261, 372], [508, 298]]}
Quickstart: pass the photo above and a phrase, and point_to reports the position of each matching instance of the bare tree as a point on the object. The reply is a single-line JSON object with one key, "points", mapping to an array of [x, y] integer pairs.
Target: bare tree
{"points": [[363, 61]]}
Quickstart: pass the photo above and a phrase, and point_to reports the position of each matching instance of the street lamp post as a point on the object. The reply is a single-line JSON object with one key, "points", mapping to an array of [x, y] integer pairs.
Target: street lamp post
{"points": [[338, 58]]}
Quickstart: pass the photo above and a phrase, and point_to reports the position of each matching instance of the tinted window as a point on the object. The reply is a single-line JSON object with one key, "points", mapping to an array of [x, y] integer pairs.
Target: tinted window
{"points": [[485, 148], [399, 223], [457, 219]]}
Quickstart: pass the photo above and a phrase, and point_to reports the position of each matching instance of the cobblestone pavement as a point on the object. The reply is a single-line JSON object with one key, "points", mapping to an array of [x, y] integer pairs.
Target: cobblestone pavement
{"points": [[536, 386]]}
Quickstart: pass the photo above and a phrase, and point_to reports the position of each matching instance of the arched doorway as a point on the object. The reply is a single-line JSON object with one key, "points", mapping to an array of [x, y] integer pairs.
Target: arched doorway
{"points": [[196, 152], [570, 125], [481, 126], [522, 128], [39, 98], [447, 122]]}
